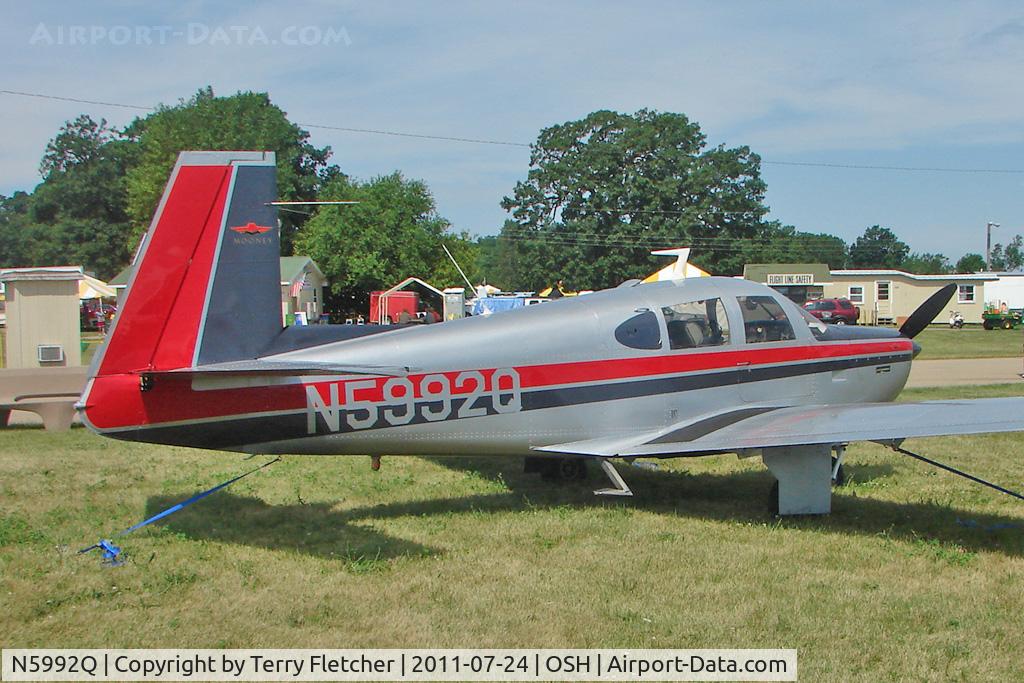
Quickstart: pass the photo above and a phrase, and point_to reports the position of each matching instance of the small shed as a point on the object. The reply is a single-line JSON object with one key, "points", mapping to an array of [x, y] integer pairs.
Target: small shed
{"points": [[302, 288], [43, 324]]}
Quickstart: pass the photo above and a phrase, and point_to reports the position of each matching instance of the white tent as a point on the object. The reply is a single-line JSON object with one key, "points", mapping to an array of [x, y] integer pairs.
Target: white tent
{"points": [[92, 288]]}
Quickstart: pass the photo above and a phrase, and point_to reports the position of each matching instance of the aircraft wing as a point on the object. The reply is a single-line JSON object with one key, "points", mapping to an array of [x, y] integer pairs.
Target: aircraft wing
{"points": [[284, 368], [755, 428]]}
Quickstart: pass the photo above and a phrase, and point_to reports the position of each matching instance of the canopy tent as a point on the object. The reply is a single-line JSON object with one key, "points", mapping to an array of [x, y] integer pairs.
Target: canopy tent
{"points": [[495, 304], [93, 288]]}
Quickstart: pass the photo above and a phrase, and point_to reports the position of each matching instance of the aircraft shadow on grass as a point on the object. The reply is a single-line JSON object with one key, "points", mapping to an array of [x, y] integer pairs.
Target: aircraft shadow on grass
{"points": [[307, 528], [319, 530]]}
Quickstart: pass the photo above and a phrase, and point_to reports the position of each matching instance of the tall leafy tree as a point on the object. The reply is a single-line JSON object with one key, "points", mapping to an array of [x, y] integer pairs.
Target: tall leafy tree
{"points": [[970, 263], [777, 243], [1009, 257], [497, 261], [246, 120], [878, 247], [926, 264], [392, 233], [603, 190], [16, 230], [76, 216]]}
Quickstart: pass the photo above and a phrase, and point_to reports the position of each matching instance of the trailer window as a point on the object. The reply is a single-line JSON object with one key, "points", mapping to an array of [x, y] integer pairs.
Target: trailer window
{"points": [[764, 320], [696, 323]]}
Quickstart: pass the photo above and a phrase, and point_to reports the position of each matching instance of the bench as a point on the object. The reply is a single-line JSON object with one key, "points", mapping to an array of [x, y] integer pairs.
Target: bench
{"points": [[50, 393]]}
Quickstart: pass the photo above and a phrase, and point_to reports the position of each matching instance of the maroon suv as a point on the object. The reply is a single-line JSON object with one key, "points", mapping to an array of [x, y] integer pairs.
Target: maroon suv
{"points": [[833, 311]]}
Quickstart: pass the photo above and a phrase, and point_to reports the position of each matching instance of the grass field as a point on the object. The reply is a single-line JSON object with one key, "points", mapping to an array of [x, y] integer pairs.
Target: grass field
{"points": [[915, 576], [970, 342]]}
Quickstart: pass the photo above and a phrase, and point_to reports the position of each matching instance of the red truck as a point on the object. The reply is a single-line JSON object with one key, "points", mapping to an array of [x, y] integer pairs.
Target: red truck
{"points": [[833, 311]]}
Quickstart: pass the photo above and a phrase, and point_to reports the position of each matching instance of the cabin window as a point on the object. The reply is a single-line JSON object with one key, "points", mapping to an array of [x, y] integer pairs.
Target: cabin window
{"points": [[764, 320], [856, 294], [695, 324], [640, 332], [965, 294], [882, 290]]}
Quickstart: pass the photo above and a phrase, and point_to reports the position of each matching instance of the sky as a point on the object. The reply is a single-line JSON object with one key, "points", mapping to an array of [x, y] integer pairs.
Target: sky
{"points": [[912, 85]]}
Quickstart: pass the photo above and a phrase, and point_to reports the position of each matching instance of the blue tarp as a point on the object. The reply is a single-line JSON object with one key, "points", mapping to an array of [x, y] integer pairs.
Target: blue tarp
{"points": [[496, 304]]}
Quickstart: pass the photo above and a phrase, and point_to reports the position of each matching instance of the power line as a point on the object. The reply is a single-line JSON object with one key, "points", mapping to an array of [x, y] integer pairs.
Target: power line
{"points": [[868, 167], [74, 99], [506, 143]]}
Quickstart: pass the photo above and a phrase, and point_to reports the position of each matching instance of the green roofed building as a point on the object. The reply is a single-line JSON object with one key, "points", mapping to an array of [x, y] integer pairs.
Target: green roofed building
{"points": [[798, 281]]}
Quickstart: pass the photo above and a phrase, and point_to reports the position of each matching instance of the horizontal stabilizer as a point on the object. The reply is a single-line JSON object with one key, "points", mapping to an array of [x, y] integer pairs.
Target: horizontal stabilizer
{"points": [[807, 425]]}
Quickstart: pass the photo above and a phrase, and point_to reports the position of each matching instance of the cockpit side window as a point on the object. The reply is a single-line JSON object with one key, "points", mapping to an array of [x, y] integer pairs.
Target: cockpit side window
{"points": [[764, 320], [695, 324], [640, 332]]}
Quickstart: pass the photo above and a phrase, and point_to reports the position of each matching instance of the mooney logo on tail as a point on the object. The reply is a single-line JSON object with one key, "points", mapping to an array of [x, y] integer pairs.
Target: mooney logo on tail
{"points": [[251, 228]]}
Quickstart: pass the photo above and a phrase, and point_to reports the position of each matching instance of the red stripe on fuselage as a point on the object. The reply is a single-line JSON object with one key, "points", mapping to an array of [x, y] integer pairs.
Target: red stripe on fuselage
{"points": [[158, 323], [116, 402]]}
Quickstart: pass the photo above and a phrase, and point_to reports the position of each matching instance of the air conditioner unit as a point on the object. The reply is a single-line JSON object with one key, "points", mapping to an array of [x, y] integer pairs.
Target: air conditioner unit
{"points": [[50, 353]]}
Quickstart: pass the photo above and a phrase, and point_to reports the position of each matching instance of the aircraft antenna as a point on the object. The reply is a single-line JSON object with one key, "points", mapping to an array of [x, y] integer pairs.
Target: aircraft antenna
{"points": [[458, 267]]}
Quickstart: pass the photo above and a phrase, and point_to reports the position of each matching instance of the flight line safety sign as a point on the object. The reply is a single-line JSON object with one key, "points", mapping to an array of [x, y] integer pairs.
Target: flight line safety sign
{"points": [[398, 665]]}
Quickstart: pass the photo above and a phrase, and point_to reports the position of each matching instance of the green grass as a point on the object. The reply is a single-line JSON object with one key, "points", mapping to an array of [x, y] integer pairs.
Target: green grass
{"points": [[471, 552], [970, 342]]}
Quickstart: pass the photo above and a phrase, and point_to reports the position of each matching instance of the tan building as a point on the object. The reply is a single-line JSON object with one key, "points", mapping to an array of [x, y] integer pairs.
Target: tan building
{"points": [[43, 324], [889, 296], [800, 282]]}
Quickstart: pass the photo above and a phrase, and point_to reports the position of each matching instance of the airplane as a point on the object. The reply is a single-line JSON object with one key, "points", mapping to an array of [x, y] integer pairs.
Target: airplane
{"points": [[198, 357]]}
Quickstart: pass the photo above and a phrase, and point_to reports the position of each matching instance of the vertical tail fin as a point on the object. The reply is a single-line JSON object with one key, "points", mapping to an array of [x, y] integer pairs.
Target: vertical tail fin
{"points": [[205, 284]]}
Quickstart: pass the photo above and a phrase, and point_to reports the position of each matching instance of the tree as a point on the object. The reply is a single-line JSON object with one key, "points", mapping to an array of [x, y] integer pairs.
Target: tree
{"points": [[603, 191], [79, 142], [496, 261], [15, 230], [878, 247], [76, 216], [393, 232], [245, 120], [926, 264], [785, 244], [970, 263], [1010, 257]]}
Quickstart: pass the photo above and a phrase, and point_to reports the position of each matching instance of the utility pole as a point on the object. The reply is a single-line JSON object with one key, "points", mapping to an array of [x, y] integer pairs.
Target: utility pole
{"points": [[988, 245]]}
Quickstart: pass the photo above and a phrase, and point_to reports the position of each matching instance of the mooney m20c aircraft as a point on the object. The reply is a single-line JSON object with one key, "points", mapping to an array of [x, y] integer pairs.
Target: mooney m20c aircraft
{"points": [[198, 357]]}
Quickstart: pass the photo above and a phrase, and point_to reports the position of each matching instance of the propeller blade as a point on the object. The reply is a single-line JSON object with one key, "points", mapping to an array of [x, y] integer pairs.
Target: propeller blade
{"points": [[927, 311]]}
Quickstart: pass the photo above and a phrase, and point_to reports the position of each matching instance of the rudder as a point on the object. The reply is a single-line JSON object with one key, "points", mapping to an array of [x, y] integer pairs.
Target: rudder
{"points": [[205, 284]]}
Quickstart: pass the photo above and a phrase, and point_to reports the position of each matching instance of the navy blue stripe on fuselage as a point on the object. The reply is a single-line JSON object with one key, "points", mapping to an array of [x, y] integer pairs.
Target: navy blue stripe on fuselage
{"points": [[234, 432]]}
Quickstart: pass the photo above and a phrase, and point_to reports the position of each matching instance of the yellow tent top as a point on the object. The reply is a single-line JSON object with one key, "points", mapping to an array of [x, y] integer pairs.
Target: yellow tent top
{"points": [[679, 269], [92, 288]]}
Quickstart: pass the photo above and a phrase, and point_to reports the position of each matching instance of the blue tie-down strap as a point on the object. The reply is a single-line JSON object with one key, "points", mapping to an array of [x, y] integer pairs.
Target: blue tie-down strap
{"points": [[112, 556], [111, 552]]}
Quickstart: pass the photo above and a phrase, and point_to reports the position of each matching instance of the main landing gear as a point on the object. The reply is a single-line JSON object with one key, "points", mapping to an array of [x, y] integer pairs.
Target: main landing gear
{"points": [[555, 468], [804, 477], [575, 469]]}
